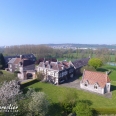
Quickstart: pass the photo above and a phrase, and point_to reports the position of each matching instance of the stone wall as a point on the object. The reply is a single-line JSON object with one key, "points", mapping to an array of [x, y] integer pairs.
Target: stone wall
{"points": [[91, 88]]}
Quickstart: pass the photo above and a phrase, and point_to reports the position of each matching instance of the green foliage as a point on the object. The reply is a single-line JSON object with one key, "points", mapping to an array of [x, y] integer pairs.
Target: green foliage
{"points": [[106, 110], [82, 109], [16, 72], [6, 76], [33, 104], [23, 85], [2, 61], [58, 93], [23, 107], [68, 101], [90, 68], [112, 75], [1, 73], [105, 68], [95, 62], [40, 76]]}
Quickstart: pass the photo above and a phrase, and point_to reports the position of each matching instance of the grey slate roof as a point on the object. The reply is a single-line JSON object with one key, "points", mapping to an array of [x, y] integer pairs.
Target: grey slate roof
{"points": [[54, 65], [12, 60], [81, 62], [27, 56]]}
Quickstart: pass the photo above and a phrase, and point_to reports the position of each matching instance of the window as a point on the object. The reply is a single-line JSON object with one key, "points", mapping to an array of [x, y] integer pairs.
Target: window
{"points": [[107, 86], [86, 83], [95, 87], [71, 70]]}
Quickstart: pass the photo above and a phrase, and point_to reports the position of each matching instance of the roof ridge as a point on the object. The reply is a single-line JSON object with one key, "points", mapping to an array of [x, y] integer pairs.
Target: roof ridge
{"points": [[95, 71]]}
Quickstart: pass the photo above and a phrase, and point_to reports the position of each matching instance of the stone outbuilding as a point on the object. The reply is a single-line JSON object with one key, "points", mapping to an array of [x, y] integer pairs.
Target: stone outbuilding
{"points": [[98, 82]]}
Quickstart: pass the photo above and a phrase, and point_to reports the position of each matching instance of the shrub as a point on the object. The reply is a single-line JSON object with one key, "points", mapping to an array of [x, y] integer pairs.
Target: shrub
{"points": [[23, 85], [68, 102], [34, 104], [1, 73], [105, 110], [40, 76], [16, 72], [95, 62], [82, 109]]}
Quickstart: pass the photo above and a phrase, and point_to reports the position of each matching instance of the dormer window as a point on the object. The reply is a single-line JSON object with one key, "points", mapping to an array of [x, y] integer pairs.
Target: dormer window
{"points": [[96, 86], [86, 83]]}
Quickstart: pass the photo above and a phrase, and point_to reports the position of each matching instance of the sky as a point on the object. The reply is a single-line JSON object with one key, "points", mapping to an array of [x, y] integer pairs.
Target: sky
{"points": [[57, 21]]}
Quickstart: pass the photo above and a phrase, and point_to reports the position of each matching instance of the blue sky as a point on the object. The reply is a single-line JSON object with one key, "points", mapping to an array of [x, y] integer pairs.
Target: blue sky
{"points": [[57, 21]]}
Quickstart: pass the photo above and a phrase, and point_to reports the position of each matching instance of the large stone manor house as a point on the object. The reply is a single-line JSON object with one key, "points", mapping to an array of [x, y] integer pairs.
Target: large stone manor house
{"points": [[59, 71]]}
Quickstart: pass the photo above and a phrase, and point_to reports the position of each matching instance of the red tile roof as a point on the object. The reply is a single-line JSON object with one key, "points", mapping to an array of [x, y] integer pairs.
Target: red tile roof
{"points": [[96, 77], [17, 60]]}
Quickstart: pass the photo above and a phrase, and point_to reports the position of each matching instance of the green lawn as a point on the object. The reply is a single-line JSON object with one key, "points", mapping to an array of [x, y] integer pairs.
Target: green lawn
{"points": [[112, 75], [7, 76], [57, 92], [98, 102], [80, 55], [112, 58]]}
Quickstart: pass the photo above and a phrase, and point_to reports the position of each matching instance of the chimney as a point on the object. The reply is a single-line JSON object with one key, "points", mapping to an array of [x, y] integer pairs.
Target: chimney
{"points": [[21, 57], [106, 73]]}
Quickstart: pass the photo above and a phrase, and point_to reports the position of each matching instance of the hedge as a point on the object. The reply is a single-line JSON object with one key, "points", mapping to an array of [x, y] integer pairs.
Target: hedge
{"points": [[23, 85], [105, 110]]}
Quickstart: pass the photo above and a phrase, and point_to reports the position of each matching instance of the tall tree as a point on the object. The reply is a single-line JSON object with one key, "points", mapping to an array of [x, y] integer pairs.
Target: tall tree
{"points": [[2, 61], [95, 62]]}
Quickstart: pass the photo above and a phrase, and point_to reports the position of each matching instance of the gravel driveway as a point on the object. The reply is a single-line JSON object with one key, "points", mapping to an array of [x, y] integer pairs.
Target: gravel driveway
{"points": [[72, 83]]}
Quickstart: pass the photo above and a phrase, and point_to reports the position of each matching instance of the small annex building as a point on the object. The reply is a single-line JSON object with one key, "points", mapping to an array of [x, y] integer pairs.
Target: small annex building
{"points": [[98, 82]]}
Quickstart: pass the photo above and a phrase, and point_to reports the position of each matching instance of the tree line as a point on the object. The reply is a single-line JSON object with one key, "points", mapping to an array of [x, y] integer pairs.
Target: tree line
{"points": [[44, 51], [38, 50]]}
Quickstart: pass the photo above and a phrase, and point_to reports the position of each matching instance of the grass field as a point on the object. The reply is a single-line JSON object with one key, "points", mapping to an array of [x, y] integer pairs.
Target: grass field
{"points": [[98, 102], [112, 75], [55, 93], [72, 56], [7, 76]]}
